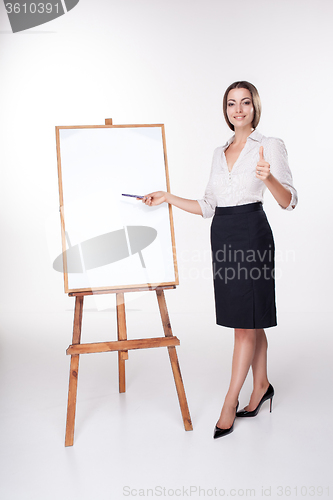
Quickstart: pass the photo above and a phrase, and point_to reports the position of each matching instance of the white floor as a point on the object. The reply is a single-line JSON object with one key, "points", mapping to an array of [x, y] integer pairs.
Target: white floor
{"points": [[134, 444]]}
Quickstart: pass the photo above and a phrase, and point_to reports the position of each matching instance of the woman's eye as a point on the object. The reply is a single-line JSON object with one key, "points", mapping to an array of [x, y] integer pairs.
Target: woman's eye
{"points": [[230, 103], [247, 103]]}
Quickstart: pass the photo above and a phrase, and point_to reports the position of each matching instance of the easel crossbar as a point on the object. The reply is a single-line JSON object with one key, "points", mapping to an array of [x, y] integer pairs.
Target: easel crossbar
{"points": [[122, 345]]}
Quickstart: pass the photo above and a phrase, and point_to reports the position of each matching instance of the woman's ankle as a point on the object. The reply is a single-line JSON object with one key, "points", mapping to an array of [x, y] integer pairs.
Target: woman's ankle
{"points": [[231, 400], [261, 386]]}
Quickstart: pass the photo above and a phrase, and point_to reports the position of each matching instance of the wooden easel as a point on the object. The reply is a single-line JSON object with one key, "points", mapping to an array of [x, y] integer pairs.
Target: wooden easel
{"points": [[122, 345]]}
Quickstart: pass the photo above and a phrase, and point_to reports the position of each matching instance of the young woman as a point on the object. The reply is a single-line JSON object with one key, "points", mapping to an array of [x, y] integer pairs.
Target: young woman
{"points": [[242, 242]]}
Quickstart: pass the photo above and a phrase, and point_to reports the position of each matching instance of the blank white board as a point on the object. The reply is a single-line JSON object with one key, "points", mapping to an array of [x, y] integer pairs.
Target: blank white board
{"points": [[110, 241]]}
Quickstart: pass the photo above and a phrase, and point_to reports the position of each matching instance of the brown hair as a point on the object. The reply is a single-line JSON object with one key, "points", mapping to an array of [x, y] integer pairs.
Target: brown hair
{"points": [[255, 100]]}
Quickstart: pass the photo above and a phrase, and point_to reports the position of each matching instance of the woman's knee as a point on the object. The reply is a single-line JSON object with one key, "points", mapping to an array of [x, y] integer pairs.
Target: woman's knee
{"points": [[245, 334]]}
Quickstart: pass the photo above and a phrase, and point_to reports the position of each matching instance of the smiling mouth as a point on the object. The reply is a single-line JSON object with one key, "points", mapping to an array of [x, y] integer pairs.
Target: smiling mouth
{"points": [[239, 117]]}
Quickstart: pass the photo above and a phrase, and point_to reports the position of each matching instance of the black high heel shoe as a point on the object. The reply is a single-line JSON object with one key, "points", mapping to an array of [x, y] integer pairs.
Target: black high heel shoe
{"points": [[223, 432], [268, 395]]}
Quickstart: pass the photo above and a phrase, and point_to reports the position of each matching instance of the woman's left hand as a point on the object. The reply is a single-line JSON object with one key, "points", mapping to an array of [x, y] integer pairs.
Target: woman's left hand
{"points": [[263, 169]]}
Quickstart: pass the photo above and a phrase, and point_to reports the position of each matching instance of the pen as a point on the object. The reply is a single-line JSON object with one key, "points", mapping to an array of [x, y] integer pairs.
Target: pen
{"points": [[132, 195]]}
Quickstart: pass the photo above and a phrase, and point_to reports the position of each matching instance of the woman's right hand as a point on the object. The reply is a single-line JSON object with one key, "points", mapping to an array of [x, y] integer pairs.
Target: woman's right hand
{"points": [[159, 197], [155, 198]]}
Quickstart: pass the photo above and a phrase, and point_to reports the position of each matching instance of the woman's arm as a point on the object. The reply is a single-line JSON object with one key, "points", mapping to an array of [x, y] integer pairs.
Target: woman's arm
{"points": [[159, 197], [282, 194]]}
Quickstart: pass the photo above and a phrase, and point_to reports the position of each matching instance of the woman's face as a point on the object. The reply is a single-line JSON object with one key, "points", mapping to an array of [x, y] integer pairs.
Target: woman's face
{"points": [[240, 108]]}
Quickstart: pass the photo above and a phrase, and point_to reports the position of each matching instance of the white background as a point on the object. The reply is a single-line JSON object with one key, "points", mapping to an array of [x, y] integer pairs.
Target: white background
{"points": [[153, 61]]}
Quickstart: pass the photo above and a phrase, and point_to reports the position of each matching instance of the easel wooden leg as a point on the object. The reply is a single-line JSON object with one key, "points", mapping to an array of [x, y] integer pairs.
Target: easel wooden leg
{"points": [[174, 362], [122, 335], [73, 373]]}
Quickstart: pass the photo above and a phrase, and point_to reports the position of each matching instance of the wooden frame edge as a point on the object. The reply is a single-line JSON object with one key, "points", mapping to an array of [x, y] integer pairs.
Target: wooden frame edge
{"points": [[173, 240], [61, 210]]}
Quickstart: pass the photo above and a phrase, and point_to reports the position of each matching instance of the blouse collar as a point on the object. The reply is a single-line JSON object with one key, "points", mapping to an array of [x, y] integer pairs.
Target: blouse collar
{"points": [[254, 136]]}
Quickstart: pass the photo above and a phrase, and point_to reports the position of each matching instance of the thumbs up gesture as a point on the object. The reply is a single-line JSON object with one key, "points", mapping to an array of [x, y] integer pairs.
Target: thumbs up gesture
{"points": [[263, 170]]}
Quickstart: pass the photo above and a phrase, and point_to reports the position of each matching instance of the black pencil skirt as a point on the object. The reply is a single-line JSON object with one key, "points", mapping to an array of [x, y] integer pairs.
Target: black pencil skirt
{"points": [[243, 267]]}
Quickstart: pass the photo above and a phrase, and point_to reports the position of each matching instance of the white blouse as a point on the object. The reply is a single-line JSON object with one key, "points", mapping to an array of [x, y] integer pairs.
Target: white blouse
{"points": [[241, 186]]}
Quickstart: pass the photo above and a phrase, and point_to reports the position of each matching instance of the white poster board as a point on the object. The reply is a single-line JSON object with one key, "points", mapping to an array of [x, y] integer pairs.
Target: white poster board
{"points": [[110, 241]]}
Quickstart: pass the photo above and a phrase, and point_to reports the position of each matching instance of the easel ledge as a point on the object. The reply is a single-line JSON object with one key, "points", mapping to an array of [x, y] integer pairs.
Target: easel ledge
{"points": [[119, 290]]}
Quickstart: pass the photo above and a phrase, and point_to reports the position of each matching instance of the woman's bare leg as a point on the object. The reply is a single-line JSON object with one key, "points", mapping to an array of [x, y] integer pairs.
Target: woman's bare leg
{"points": [[259, 370], [244, 351]]}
